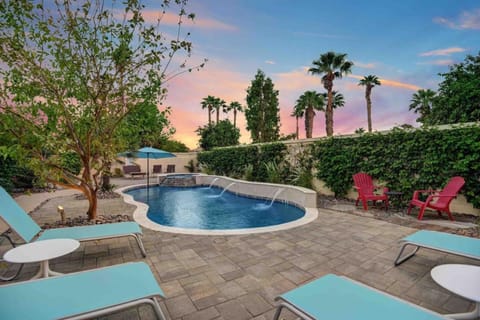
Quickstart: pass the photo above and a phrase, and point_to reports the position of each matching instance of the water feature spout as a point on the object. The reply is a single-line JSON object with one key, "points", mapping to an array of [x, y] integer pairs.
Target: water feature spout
{"points": [[275, 196], [226, 188], [211, 183], [263, 206]]}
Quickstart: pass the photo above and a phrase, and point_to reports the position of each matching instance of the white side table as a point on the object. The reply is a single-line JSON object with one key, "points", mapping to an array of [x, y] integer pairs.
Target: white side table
{"points": [[463, 280], [42, 251]]}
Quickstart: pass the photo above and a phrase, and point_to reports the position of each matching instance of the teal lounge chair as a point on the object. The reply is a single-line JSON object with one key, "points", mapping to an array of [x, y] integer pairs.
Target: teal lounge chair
{"points": [[440, 241], [340, 298], [82, 295], [29, 230]]}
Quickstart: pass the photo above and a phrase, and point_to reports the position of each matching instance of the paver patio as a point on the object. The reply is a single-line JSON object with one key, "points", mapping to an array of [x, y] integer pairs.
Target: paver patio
{"points": [[237, 277]]}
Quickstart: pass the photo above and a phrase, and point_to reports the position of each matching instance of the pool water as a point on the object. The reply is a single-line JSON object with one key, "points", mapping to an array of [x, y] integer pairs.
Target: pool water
{"points": [[204, 208]]}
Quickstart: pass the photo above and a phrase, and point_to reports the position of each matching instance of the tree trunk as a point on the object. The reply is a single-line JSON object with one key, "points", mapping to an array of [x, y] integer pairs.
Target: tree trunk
{"points": [[209, 115], [234, 118], [369, 108], [329, 113], [218, 114], [309, 114], [91, 196], [296, 132]]}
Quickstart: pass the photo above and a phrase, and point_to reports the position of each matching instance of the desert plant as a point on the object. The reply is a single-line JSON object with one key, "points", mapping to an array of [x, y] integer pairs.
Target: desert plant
{"points": [[248, 172], [273, 171]]}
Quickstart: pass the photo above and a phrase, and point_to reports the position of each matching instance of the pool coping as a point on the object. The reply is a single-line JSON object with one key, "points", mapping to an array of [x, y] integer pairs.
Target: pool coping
{"points": [[140, 216]]}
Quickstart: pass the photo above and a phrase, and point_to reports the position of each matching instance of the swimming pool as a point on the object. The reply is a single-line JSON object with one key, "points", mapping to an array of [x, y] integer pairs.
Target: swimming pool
{"points": [[205, 209]]}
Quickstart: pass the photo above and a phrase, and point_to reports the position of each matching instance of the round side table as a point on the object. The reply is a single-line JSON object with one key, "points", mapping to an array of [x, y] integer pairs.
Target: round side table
{"points": [[42, 252], [463, 280]]}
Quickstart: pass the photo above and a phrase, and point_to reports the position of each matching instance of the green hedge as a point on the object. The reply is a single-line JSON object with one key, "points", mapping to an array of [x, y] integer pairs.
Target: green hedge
{"points": [[404, 160], [231, 161]]}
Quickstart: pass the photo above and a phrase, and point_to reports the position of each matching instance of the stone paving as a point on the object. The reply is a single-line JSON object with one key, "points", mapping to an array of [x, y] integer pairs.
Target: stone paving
{"points": [[238, 277]]}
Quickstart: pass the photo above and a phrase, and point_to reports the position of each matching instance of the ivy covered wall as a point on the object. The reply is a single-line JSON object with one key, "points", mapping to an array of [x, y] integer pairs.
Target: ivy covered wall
{"points": [[405, 160]]}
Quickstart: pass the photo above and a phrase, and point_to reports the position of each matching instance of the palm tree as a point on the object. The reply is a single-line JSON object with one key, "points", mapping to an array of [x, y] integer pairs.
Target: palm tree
{"points": [[208, 103], [369, 82], [298, 112], [338, 99], [330, 66], [236, 107], [310, 101], [217, 104], [422, 103]]}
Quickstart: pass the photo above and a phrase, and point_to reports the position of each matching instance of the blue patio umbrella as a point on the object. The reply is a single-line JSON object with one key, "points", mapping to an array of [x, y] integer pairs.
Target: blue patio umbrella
{"points": [[149, 153]]}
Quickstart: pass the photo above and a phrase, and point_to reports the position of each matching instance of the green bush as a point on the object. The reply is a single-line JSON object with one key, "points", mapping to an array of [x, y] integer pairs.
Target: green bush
{"points": [[13, 176], [405, 160], [233, 161]]}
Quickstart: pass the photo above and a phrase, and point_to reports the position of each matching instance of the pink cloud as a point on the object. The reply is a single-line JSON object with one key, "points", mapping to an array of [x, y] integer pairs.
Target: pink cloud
{"points": [[441, 62], [390, 105], [466, 20], [442, 52], [391, 83], [170, 18], [365, 65]]}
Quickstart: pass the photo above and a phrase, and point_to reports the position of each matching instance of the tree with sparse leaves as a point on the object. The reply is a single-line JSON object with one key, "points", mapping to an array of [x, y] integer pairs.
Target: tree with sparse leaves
{"points": [[330, 66], [262, 111], [369, 82], [310, 101], [71, 74]]}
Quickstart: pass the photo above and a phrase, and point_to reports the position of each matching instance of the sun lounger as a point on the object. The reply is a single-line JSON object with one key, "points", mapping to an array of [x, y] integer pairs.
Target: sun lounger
{"points": [[82, 295], [29, 230], [440, 241], [340, 298]]}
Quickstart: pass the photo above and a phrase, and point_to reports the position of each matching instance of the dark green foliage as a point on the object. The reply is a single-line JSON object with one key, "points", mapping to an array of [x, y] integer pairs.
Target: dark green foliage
{"points": [[404, 160], [458, 98], [173, 146], [13, 176], [71, 162], [233, 161], [220, 134], [262, 111]]}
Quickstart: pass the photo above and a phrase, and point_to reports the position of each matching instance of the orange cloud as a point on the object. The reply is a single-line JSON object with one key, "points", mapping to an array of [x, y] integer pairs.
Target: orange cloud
{"points": [[444, 62], [365, 65], [170, 18], [442, 52], [391, 83]]}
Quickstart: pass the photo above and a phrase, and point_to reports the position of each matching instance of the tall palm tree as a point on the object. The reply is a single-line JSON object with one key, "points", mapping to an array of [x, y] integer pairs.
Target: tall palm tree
{"points": [[310, 101], [298, 112], [236, 107], [338, 99], [217, 104], [208, 103], [330, 66], [369, 82], [422, 103]]}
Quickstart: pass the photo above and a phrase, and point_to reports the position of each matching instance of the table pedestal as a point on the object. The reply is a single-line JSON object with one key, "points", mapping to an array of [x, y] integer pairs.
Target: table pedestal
{"points": [[45, 271]]}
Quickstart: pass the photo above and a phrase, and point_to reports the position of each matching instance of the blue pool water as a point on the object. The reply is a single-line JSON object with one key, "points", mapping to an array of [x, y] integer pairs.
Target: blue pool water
{"points": [[203, 208]]}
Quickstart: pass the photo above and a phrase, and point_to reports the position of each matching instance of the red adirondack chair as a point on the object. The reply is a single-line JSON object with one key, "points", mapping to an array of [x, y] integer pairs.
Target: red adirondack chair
{"points": [[366, 190], [437, 199]]}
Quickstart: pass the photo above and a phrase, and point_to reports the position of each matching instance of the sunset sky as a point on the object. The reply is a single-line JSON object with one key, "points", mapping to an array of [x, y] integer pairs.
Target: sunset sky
{"points": [[405, 43]]}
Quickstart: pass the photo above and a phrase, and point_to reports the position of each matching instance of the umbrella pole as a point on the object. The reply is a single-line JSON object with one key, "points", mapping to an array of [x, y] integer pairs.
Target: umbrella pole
{"points": [[148, 173]]}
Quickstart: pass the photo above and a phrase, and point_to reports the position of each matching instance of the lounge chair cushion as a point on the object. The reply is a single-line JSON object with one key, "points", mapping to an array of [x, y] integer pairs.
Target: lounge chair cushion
{"points": [[339, 298], [98, 231], [446, 242], [78, 293]]}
